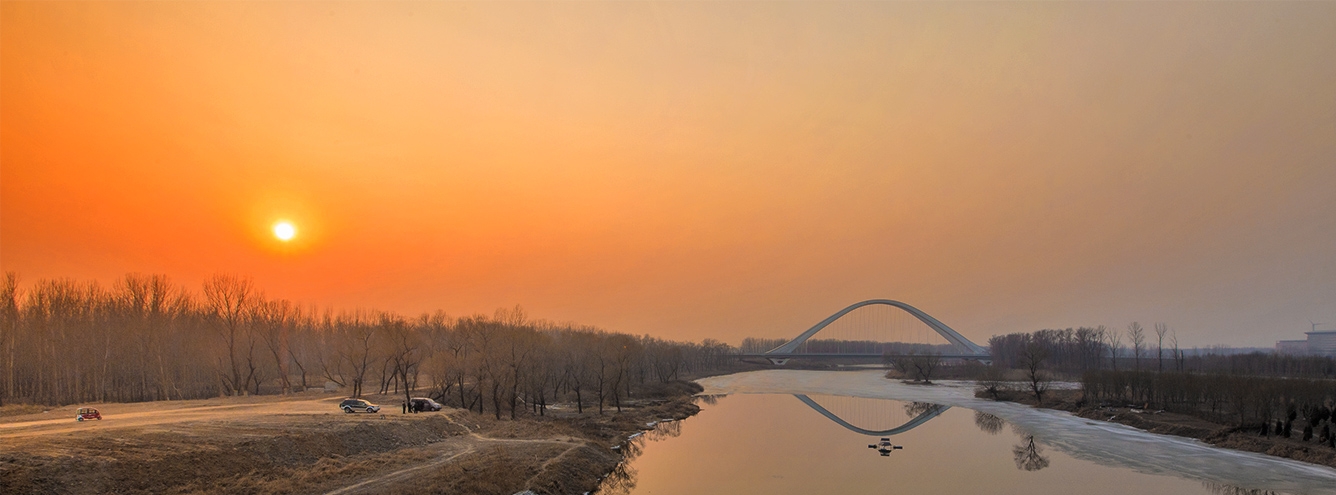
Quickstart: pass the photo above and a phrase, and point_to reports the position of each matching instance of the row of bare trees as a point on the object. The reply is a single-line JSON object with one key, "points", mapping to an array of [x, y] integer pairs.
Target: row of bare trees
{"points": [[147, 338], [1087, 348], [1266, 391], [1094, 348], [1225, 398]]}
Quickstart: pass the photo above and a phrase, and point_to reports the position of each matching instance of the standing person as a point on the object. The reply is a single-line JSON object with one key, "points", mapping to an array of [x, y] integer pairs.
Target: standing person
{"points": [[405, 403]]}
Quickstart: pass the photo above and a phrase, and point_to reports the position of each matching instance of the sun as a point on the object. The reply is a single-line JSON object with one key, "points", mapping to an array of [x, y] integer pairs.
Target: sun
{"points": [[284, 231]]}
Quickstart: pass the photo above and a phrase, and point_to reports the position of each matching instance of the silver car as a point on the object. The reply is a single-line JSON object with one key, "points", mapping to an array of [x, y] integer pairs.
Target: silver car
{"points": [[358, 405]]}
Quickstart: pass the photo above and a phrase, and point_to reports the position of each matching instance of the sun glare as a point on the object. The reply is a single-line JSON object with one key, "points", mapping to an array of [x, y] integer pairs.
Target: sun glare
{"points": [[284, 231]]}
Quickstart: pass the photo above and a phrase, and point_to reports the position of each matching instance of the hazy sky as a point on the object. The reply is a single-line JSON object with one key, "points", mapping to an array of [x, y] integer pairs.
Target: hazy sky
{"points": [[690, 169]]}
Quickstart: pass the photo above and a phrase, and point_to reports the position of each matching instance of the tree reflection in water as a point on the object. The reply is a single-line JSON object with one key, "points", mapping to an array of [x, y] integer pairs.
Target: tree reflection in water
{"points": [[1028, 455], [622, 479], [988, 423], [917, 408], [710, 399], [670, 429]]}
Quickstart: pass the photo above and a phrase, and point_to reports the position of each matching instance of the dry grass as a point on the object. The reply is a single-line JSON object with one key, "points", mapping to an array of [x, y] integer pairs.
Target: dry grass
{"points": [[295, 459], [21, 409]]}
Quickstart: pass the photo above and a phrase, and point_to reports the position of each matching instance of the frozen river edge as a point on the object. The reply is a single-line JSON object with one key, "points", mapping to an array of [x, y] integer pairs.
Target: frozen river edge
{"points": [[1096, 441]]}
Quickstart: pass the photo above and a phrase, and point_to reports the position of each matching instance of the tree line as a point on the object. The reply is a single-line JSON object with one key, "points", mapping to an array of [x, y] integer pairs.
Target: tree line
{"points": [[1136, 348], [1268, 392], [147, 338], [1223, 398]]}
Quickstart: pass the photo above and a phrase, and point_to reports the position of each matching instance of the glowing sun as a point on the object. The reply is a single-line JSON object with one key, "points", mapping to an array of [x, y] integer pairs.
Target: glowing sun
{"points": [[284, 231]]}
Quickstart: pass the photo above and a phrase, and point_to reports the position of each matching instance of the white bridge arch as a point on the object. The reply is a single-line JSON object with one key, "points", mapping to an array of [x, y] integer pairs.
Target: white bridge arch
{"points": [[956, 339]]}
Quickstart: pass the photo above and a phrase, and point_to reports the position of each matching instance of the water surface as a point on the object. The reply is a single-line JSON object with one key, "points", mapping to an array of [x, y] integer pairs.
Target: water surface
{"points": [[777, 443]]}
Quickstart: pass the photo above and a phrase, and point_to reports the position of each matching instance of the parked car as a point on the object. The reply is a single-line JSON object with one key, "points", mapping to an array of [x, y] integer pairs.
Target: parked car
{"points": [[358, 405], [87, 413], [423, 404]]}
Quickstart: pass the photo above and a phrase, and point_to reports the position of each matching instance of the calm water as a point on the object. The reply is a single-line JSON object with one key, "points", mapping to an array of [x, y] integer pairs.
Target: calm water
{"points": [[779, 444]]}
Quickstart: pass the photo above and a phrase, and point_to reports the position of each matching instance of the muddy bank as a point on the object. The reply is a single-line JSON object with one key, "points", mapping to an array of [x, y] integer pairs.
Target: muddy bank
{"points": [[1182, 425], [448, 452]]}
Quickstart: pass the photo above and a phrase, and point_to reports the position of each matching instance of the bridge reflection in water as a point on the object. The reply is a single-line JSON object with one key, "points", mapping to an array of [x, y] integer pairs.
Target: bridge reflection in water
{"points": [[923, 412]]}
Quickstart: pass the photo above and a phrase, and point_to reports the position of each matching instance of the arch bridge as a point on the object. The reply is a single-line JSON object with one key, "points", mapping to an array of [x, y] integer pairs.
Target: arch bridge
{"points": [[963, 346]]}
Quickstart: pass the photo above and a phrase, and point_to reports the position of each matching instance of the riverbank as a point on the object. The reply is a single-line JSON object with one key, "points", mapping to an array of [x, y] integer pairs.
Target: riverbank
{"points": [[1182, 425], [302, 444]]}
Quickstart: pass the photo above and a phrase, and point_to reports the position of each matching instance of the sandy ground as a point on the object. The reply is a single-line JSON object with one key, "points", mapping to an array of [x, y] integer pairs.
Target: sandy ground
{"points": [[1096, 441], [60, 421]]}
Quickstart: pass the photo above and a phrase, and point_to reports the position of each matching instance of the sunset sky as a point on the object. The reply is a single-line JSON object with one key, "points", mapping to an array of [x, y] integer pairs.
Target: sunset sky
{"points": [[690, 169]]}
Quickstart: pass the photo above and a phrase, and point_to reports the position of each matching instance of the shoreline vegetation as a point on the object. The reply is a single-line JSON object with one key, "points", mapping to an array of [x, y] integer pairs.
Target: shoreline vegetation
{"points": [[1268, 403], [1158, 421]]}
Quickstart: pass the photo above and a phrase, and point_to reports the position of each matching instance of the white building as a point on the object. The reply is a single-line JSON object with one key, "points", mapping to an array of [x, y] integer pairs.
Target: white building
{"points": [[1322, 343]]}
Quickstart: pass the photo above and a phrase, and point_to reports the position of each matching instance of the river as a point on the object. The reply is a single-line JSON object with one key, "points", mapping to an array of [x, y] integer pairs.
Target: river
{"points": [[791, 432]]}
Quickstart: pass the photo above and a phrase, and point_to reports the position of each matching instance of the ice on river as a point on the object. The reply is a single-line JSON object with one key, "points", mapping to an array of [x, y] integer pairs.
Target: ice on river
{"points": [[1096, 441]]}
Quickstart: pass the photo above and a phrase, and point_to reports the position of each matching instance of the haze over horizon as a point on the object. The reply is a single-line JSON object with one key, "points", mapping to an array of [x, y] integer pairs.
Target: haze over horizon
{"points": [[690, 170]]}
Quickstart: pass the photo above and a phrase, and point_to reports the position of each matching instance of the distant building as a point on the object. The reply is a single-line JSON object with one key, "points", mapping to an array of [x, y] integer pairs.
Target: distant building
{"points": [[1322, 343], [1297, 347]]}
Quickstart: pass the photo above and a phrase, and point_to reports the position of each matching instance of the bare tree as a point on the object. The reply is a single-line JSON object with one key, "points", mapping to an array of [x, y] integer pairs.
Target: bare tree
{"points": [[1178, 355], [353, 339], [9, 320], [1032, 360], [359, 355], [407, 352], [1160, 330], [273, 322], [624, 350], [1137, 336], [990, 381], [924, 364], [578, 365], [303, 343], [1114, 340], [146, 306], [903, 363], [228, 299]]}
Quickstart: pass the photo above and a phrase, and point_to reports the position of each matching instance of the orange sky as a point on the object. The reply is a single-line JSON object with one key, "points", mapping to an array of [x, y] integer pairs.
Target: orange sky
{"points": [[690, 169]]}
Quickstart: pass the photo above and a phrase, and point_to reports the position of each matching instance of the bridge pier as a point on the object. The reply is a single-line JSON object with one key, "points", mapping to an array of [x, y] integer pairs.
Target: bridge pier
{"points": [[778, 361]]}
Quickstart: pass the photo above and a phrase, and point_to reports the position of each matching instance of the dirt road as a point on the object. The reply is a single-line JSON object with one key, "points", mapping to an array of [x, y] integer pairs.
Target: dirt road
{"points": [[115, 416]]}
